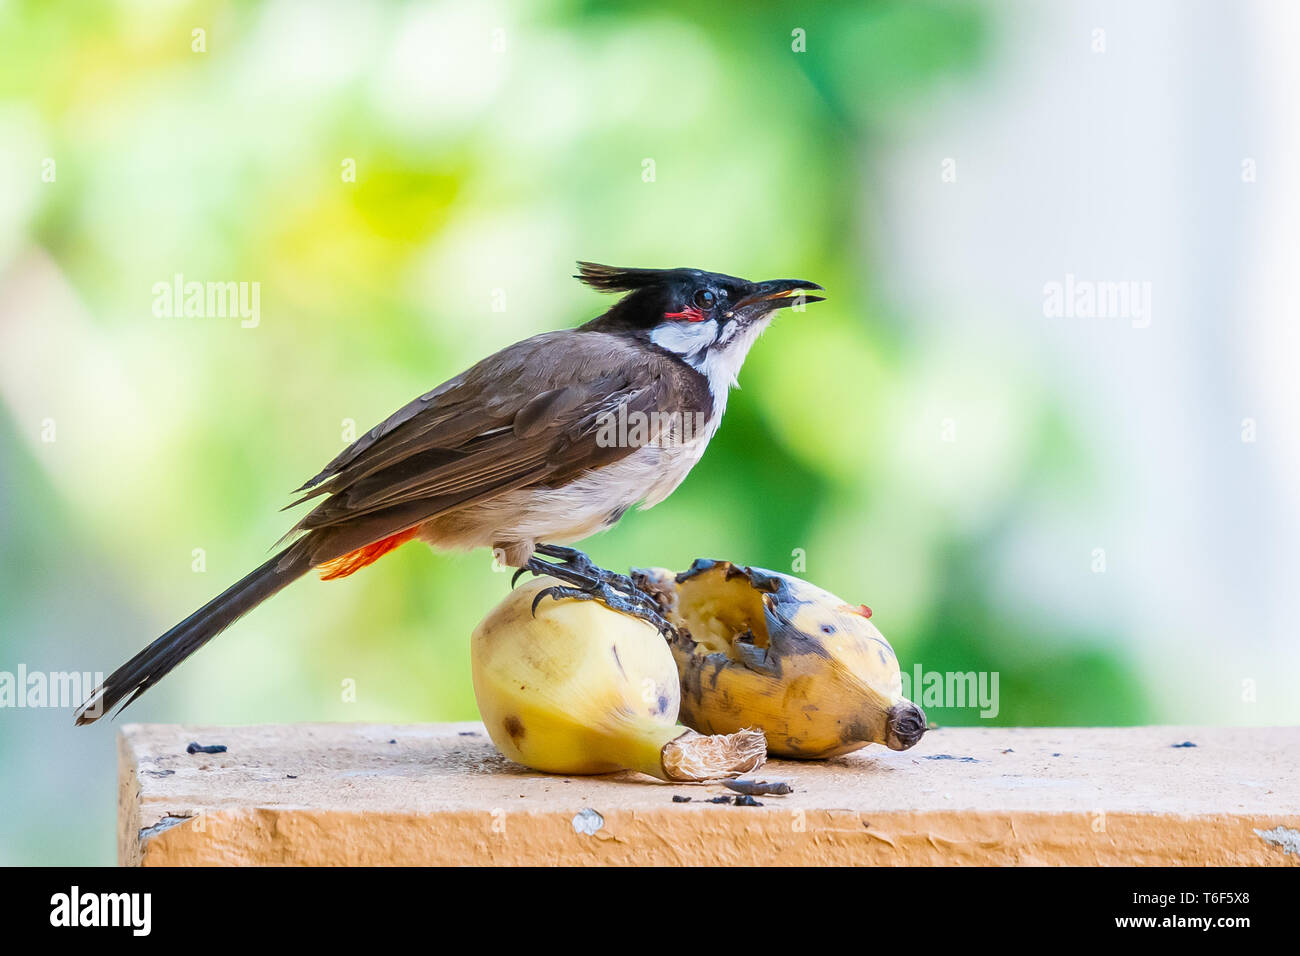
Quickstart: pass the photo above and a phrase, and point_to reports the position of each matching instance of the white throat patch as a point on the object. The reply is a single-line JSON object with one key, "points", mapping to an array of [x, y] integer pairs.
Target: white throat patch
{"points": [[686, 339], [716, 356]]}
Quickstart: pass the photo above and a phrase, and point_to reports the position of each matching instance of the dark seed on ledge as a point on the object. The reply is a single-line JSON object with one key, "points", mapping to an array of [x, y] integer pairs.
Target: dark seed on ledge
{"points": [[760, 788], [196, 748]]}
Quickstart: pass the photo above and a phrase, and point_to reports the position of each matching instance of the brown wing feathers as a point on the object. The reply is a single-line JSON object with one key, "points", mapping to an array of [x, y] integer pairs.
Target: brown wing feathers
{"points": [[516, 419], [524, 416]]}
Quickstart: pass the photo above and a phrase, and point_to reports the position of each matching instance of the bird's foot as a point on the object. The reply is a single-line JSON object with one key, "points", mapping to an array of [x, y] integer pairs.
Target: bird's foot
{"points": [[585, 581]]}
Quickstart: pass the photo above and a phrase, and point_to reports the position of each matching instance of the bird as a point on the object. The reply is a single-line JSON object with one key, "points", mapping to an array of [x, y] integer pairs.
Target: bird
{"points": [[538, 446]]}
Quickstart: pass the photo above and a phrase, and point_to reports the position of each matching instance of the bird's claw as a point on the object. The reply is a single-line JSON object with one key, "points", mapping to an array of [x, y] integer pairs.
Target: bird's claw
{"points": [[612, 600], [584, 581]]}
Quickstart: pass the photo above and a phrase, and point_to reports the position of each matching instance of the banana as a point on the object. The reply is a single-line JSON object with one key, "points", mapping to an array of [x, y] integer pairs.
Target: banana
{"points": [[763, 649], [576, 688]]}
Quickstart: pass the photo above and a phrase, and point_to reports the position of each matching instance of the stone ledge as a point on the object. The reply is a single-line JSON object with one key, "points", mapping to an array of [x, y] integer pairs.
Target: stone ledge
{"points": [[371, 794]]}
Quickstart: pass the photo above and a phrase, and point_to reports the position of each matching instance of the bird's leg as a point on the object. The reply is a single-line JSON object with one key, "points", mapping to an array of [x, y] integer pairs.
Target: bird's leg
{"points": [[586, 581]]}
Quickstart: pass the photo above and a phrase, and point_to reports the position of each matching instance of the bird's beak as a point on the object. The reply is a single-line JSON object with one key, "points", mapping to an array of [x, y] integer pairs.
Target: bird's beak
{"points": [[778, 294]]}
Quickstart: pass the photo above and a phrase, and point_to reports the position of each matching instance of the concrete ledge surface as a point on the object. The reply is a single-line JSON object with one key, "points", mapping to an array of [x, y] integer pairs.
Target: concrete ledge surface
{"points": [[368, 794]]}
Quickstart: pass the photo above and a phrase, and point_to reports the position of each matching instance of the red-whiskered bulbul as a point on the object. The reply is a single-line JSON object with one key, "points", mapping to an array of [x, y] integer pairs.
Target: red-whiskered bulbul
{"points": [[541, 444]]}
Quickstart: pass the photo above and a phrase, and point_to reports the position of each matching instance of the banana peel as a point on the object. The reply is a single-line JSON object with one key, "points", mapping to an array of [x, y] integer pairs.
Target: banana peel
{"points": [[757, 648]]}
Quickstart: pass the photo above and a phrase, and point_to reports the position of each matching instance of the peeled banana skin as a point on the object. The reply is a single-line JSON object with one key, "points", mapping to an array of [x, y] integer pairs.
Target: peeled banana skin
{"points": [[757, 648]]}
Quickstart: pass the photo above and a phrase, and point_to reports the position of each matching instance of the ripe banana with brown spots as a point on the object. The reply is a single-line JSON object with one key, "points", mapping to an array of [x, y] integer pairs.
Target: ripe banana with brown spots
{"points": [[757, 648], [577, 688]]}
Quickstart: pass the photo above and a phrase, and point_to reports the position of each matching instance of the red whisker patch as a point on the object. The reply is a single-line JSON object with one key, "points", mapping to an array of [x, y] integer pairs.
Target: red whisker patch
{"points": [[690, 314]]}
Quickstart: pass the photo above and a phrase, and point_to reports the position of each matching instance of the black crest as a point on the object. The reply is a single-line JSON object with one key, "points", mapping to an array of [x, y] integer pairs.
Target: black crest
{"points": [[652, 294], [614, 279]]}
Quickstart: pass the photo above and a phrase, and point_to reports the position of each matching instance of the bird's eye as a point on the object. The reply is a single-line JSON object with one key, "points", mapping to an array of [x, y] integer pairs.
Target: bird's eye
{"points": [[704, 299]]}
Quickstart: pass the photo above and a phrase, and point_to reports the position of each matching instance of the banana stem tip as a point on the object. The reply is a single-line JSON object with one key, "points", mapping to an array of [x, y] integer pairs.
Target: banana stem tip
{"points": [[696, 757]]}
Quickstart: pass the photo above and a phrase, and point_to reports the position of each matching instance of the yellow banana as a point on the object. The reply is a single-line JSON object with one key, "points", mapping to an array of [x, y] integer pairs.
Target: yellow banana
{"points": [[577, 688], [760, 649]]}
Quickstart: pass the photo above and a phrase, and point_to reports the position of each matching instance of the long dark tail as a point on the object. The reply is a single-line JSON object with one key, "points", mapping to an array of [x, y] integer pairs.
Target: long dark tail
{"points": [[154, 662]]}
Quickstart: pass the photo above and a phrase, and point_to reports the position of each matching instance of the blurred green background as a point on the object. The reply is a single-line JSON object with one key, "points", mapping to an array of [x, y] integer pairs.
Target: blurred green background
{"points": [[918, 440]]}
